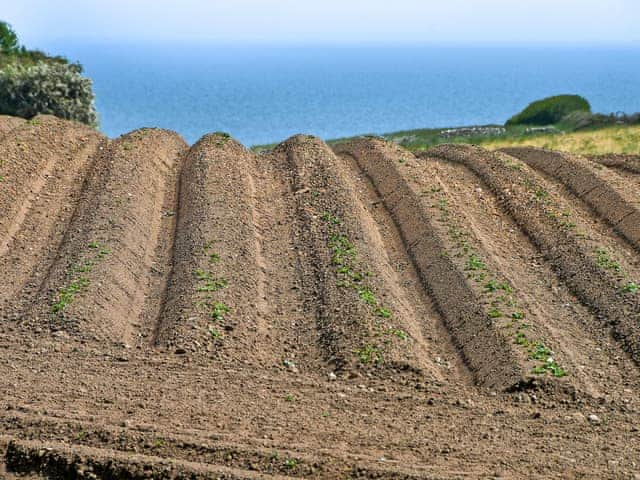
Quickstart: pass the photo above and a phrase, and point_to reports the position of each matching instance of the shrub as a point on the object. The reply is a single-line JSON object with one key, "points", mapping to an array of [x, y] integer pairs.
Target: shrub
{"points": [[550, 110], [50, 88], [578, 119]]}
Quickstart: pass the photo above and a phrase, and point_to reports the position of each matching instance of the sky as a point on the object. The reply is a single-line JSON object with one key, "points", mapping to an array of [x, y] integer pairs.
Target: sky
{"points": [[42, 22]]}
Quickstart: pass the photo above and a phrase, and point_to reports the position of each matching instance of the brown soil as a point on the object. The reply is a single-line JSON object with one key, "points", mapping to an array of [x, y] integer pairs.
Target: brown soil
{"points": [[8, 123], [609, 195], [308, 313], [630, 163]]}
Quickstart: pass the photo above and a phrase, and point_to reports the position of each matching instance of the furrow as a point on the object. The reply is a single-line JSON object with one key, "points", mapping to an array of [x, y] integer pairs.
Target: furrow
{"points": [[57, 461], [42, 167], [363, 316], [591, 185], [629, 163], [399, 180], [97, 287], [416, 310], [592, 274], [202, 450], [594, 364]]}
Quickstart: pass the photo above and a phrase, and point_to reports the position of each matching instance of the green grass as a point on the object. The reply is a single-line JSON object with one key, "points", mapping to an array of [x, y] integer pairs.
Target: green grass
{"points": [[593, 140]]}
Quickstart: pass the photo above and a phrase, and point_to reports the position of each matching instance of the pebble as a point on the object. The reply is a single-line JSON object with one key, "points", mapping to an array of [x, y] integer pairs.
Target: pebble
{"points": [[332, 376], [594, 419]]}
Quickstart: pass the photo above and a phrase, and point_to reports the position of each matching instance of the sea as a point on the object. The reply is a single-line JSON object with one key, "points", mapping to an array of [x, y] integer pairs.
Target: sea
{"points": [[264, 94]]}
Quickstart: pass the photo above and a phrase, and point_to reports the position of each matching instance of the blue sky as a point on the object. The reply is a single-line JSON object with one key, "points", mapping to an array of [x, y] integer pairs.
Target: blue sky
{"points": [[40, 22]]}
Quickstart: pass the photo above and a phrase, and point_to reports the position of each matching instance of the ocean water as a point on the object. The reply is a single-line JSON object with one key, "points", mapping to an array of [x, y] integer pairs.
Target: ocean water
{"points": [[266, 94]]}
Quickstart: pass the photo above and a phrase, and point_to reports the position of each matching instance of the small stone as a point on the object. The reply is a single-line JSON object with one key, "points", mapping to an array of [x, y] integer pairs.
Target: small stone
{"points": [[594, 419], [290, 365], [332, 376]]}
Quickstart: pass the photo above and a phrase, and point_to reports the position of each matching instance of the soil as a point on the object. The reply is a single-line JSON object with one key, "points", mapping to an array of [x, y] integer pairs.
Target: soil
{"points": [[357, 312]]}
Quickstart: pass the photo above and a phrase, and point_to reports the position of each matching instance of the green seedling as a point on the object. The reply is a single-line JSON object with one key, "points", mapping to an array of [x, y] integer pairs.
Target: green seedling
{"points": [[604, 260], [66, 295], [494, 286], [327, 217], [521, 339], [202, 275], [367, 296], [541, 193], [369, 354], [631, 287], [382, 312], [494, 313], [212, 285], [218, 311], [475, 263], [401, 334]]}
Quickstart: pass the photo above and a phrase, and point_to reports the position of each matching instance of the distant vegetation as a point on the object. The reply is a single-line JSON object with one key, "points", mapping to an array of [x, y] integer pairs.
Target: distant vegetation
{"points": [[550, 110], [623, 139], [32, 82], [574, 128]]}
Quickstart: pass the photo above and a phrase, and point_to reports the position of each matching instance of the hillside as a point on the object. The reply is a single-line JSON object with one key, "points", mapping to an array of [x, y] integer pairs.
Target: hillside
{"points": [[344, 311]]}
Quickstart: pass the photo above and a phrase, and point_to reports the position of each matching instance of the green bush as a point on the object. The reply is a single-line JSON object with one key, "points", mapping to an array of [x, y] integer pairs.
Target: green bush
{"points": [[51, 88], [550, 110]]}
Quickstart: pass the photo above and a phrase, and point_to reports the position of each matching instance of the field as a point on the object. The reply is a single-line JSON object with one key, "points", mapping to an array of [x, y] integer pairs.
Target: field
{"points": [[347, 311]]}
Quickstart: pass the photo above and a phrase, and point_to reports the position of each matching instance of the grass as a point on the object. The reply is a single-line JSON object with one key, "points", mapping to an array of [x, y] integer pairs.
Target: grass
{"points": [[624, 139]]}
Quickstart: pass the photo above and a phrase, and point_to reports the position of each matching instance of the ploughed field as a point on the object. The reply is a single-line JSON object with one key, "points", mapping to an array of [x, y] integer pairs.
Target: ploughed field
{"points": [[314, 312]]}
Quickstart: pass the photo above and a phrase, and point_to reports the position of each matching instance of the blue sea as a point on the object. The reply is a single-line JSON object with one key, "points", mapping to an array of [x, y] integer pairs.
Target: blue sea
{"points": [[265, 94]]}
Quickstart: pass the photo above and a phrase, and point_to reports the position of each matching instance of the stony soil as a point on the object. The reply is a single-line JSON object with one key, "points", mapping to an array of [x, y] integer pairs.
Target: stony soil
{"points": [[357, 312]]}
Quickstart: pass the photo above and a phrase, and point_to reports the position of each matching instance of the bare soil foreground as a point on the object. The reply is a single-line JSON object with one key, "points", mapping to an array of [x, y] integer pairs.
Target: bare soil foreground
{"points": [[169, 312]]}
